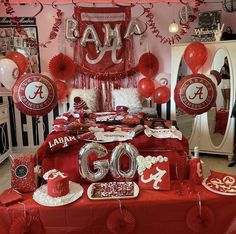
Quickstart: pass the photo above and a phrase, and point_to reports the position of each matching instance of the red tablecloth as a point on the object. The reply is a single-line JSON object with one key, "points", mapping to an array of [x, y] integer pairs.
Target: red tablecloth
{"points": [[162, 212], [66, 160]]}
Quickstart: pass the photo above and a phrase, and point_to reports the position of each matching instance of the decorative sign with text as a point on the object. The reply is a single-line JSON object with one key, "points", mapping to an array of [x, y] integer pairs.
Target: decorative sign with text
{"points": [[207, 26]]}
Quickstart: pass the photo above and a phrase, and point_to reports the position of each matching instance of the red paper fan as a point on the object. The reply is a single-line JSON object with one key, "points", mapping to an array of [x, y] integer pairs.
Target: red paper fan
{"points": [[217, 75], [121, 221], [62, 67], [198, 223], [148, 65], [28, 225]]}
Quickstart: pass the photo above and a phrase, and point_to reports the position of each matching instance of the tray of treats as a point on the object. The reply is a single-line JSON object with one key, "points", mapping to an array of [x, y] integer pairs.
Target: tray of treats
{"points": [[112, 190]]}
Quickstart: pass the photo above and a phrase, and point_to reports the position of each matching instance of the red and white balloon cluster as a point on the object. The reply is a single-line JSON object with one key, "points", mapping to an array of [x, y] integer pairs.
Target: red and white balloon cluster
{"points": [[149, 66], [12, 66]]}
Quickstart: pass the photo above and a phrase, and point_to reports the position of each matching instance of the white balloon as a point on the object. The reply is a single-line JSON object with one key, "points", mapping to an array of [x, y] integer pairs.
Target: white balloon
{"points": [[9, 72]]}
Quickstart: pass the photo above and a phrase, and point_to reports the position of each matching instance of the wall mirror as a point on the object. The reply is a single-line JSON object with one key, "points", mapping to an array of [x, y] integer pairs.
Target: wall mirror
{"points": [[218, 115], [184, 120]]}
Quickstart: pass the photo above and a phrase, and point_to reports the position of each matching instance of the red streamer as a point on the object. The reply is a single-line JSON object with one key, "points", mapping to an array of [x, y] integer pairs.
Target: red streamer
{"points": [[184, 26], [16, 22]]}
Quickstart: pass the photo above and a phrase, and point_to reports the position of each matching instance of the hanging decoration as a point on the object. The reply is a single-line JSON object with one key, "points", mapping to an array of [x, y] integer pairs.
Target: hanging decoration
{"points": [[102, 53], [34, 94], [62, 67], [185, 26], [20, 29], [148, 65], [195, 55], [195, 94], [121, 221]]}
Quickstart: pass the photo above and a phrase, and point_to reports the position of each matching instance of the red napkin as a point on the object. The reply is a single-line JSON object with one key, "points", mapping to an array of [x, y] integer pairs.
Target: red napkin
{"points": [[10, 197]]}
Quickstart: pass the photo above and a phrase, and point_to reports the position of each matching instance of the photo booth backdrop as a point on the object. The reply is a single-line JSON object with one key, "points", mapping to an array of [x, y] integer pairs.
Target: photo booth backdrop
{"points": [[27, 134]]}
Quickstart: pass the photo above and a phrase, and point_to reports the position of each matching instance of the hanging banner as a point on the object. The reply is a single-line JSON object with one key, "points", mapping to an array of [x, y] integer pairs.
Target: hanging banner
{"points": [[103, 50]]}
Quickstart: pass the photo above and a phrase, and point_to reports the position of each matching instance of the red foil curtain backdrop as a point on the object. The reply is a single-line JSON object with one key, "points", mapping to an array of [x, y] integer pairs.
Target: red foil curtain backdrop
{"points": [[104, 68], [112, 62]]}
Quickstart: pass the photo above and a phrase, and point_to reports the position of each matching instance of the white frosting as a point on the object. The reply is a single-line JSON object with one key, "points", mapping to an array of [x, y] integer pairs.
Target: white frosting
{"points": [[147, 162], [41, 196]]}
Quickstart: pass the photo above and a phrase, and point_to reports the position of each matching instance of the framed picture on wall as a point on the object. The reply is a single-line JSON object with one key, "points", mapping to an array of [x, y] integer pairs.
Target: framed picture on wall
{"points": [[11, 40]]}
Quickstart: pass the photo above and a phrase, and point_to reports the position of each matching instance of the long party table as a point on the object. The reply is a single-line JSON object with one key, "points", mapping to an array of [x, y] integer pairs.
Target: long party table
{"points": [[162, 212], [66, 160]]}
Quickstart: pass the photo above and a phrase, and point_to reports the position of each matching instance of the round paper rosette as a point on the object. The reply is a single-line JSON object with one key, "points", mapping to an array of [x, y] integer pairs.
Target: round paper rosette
{"points": [[195, 94], [121, 221], [27, 225], [200, 223], [217, 76], [34, 94], [62, 67], [148, 65]]}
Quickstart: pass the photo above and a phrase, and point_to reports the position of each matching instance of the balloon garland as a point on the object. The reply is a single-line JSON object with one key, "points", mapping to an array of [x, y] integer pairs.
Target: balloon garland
{"points": [[16, 22]]}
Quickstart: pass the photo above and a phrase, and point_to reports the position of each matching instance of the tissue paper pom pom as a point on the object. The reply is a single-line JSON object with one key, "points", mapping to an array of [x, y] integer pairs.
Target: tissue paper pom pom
{"points": [[62, 67], [198, 223], [121, 221], [27, 225]]}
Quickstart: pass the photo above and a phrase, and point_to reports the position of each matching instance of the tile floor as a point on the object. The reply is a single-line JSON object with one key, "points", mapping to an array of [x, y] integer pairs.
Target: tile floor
{"points": [[214, 162]]}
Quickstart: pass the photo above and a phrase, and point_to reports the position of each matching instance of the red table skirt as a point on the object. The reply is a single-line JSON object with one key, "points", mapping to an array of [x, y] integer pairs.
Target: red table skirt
{"points": [[162, 212]]}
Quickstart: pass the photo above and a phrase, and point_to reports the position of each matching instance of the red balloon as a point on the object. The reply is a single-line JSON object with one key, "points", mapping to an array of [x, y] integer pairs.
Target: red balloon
{"points": [[34, 94], [195, 55], [20, 60], [161, 95], [148, 65], [62, 89], [146, 87]]}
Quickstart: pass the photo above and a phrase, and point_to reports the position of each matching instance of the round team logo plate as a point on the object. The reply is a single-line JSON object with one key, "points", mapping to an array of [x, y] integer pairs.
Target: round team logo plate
{"points": [[195, 94]]}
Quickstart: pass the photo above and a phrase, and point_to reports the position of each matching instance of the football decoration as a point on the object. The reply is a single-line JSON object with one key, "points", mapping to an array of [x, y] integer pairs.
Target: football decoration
{"points": [[35, 94], [62, 67], [148, 65], [195, 55], [121, 221], [195, 94]]}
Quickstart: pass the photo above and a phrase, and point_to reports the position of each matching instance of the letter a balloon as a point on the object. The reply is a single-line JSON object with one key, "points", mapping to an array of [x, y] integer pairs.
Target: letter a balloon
{"points": [[195, 55]]}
